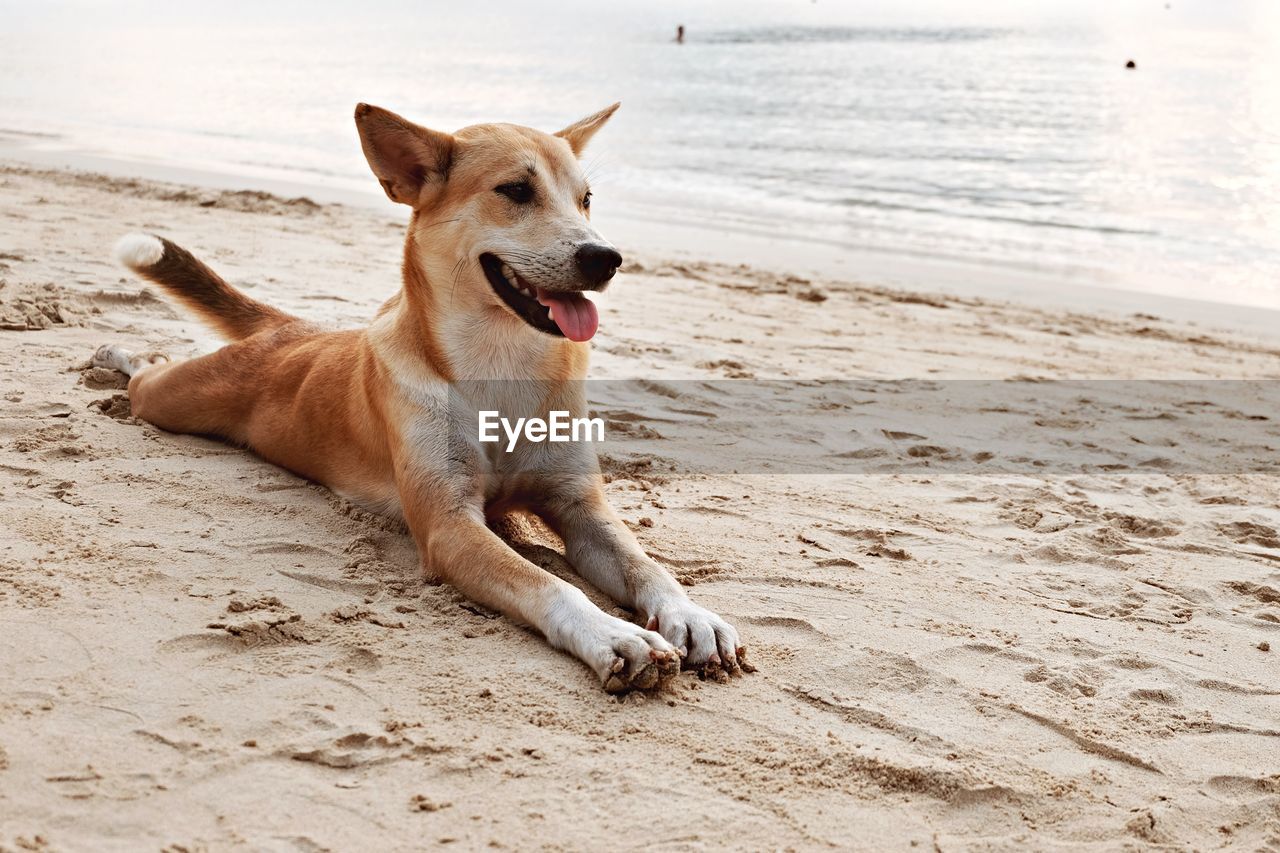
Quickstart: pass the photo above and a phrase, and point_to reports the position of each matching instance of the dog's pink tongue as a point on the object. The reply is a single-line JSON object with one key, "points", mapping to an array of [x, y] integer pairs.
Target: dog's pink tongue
{"points": [[574, 313]]}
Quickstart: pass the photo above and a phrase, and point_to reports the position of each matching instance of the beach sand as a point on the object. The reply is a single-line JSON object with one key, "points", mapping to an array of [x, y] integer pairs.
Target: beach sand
{"points": [[200, 651]]}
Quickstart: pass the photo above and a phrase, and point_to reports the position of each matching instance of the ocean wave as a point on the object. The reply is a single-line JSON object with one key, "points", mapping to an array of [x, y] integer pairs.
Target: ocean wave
{"points": [[813, 35], [991, 217]]}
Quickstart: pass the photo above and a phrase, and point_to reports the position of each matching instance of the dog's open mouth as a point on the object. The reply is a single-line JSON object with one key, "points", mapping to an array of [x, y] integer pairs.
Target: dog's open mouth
{"points": [[571, 315]]}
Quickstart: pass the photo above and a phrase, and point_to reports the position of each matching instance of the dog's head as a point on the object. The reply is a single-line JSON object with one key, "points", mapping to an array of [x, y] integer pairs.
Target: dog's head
{"points": [[501, 216]]}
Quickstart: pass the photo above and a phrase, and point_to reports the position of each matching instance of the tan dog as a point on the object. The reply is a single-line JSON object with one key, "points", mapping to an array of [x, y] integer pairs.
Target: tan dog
{"points": [[499, 251]]}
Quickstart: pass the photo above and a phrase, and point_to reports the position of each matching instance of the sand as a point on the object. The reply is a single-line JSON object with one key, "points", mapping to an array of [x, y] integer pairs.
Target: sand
{"points": [[200, 651]]}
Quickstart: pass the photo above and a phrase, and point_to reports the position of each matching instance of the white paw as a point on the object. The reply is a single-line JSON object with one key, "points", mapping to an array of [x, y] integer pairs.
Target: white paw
{"points": [[705, 640], [112, 356], [623, 655], [119, 358]]}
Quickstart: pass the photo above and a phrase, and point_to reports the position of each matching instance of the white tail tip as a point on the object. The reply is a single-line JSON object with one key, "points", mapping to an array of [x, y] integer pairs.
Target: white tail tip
{"points": [[139, 251]]}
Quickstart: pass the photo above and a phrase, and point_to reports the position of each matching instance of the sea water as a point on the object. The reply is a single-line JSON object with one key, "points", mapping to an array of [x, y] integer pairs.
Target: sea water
{"points": [[988, 136]]}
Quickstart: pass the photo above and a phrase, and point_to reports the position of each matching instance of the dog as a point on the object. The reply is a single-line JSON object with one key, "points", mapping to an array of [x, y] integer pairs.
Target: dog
{"points": [[491, 315]]}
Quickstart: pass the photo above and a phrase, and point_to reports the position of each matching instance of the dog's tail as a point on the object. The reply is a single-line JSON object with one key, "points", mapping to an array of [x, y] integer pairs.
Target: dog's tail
{"points": [[229, 311]]}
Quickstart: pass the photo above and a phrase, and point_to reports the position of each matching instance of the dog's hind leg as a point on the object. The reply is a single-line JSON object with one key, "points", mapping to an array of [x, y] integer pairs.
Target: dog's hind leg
{"points": [[205, 395], [209, 395]]}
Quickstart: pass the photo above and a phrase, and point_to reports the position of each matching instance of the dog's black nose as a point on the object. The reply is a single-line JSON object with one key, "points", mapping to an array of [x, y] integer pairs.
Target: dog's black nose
{"points": [[597, 263]]}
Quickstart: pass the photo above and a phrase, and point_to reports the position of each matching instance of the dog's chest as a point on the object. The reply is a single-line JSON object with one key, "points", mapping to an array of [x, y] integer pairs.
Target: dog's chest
{"points": [[502, 381], [469, 432]]}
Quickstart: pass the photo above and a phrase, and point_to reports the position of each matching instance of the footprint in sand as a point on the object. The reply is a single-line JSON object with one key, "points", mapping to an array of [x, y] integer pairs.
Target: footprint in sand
{"points": [[1103, 598], [1069, 680], [1257, 598], [355, 748], [1248, 533]]}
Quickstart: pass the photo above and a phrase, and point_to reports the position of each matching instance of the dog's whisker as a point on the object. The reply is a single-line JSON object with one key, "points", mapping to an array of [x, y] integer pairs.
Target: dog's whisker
{"points": [[597, 168], [457, 270], [466, 265]]}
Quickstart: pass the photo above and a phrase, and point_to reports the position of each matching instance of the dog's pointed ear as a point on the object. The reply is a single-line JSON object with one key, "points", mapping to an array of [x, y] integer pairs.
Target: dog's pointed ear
{"points": [[408, 160], [580, 132]]}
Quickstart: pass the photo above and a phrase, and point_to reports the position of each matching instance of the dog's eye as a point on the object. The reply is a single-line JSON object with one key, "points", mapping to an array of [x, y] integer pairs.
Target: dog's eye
{"points": [[586, 200], [521, 192]]}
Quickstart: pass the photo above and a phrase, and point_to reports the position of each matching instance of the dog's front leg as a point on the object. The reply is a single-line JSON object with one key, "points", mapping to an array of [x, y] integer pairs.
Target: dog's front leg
{"points": [[457, 547], [602, 550]]}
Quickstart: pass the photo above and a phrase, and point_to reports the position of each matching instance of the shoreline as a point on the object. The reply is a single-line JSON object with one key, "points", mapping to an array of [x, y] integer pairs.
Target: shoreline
{"points": [[645, 232]]}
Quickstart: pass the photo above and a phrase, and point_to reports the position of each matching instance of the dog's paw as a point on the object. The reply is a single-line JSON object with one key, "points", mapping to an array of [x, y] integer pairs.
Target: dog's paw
{"points": [[641, 659], [706, 642], [110, 355], [118, 358], [623, 655]]}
